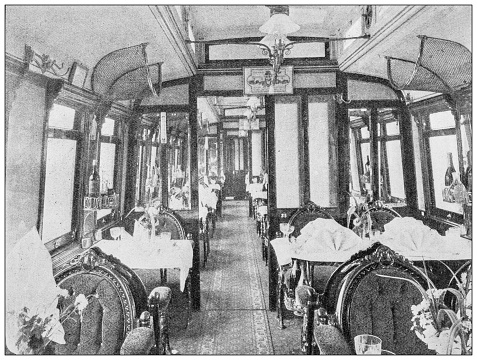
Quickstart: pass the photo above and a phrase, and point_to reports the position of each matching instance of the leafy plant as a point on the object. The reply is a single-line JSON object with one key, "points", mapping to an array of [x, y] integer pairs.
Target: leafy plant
{"points": [[437, 325]]}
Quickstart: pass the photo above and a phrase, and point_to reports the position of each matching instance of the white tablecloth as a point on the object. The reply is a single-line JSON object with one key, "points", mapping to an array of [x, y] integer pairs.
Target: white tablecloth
{"points": [[447, 248], [153, 254], [443, 248], [286, 250]]}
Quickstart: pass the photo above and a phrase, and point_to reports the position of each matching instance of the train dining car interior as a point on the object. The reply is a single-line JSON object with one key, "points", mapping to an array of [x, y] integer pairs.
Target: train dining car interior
{"points": [[238, 179]]}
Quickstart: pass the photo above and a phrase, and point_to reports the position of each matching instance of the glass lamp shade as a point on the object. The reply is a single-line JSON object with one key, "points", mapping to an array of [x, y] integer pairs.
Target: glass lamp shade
{"points": [[271, 40], [248, 113], [253, 102], [279, 24]]}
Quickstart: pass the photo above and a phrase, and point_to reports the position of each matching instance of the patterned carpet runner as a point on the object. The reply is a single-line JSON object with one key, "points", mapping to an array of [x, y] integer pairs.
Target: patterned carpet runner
{"points": [[234, 318]]}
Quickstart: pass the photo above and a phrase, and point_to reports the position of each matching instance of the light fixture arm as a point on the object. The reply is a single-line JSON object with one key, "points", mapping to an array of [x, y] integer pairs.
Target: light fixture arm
{"points": [[276, 53], [238, 42]]}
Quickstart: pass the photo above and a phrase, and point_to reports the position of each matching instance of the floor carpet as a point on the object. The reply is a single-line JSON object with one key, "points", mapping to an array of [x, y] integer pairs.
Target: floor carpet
{"points": [[234, 318]]}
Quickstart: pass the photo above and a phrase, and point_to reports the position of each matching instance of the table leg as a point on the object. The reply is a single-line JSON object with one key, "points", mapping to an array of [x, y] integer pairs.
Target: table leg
{"points": [[280, 300]]}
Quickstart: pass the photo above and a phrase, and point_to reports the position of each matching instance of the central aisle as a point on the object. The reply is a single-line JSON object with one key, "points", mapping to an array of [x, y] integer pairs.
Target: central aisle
{"points": [[234, 316]]}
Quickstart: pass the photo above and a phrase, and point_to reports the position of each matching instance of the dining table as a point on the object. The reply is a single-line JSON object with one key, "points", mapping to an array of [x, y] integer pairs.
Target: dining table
{"points": [[155, 253]]}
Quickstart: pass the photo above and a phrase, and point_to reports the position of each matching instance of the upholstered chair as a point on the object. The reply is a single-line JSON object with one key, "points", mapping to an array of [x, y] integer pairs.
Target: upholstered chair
{"points": [[363, 296], [115, 296], [155, 322]]}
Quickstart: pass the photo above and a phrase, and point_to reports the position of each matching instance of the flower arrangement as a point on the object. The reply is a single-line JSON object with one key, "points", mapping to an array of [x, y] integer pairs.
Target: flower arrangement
{"points": [[361, 218], [444, 330], [36, 333]]}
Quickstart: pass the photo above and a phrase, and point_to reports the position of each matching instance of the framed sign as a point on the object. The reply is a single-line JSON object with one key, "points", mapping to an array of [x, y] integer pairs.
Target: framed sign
{"points": [[78, 75], [259, 81]]}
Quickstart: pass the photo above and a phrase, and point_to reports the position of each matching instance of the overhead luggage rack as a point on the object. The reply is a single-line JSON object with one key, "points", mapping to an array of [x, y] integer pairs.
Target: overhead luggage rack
{"points": [[442, 66], [125, 74]]}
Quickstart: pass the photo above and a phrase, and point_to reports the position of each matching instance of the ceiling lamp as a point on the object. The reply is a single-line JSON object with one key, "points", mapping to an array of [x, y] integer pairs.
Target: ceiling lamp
{"points": [[275, 44], [253, 105]]}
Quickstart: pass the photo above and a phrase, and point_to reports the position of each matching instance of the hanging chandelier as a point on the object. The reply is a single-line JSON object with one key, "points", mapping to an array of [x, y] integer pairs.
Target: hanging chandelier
{"points": [[275, 44], [251, 122]]}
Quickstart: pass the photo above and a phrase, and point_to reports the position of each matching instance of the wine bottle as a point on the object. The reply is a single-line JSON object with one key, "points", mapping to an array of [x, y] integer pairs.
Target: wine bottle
{"points": [[94, 181], [468, 172], [450, 169]]}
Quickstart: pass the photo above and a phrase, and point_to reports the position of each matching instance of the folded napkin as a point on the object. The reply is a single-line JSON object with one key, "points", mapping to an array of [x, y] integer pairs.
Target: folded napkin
{"points": [[327, 234], [414, 240], [409, 234], [283, 250], [30, 283], [325, 240], [141, 233]]}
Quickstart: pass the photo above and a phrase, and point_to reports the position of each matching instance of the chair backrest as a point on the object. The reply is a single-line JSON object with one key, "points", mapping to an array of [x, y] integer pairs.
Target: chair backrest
{"points": [[367, 303], [304, 215], [380, 216], [168, 221], [117, 295]]}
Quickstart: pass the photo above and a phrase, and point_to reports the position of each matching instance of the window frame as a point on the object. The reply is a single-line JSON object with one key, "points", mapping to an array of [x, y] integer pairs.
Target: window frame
{"points": [[389, 115], [71, 134], [118, 162], [427, 133]]}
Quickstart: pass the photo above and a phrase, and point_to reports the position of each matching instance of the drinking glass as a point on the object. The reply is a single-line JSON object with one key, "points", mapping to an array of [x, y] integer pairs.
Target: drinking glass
{"points": [[286, 229], [367, 344]]}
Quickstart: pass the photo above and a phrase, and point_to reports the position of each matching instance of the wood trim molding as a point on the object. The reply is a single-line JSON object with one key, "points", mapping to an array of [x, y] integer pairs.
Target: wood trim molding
{"points": [[166, 20], [357, 50], [69, 95]]}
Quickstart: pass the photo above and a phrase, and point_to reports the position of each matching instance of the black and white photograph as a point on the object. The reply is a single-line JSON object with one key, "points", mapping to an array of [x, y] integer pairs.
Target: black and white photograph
{"points": [[238, 179]]}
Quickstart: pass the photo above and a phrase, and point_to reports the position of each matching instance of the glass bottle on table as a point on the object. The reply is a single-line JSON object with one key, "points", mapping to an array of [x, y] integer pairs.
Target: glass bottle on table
{"points": [[448, 179], [94, 185], [468, 174]]}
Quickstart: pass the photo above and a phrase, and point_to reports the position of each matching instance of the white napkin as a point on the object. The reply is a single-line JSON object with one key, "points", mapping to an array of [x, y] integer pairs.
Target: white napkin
{"points": [[408, 234], [325, 235], [140, 232], [30, 283], [283, 250], [414, 240]]}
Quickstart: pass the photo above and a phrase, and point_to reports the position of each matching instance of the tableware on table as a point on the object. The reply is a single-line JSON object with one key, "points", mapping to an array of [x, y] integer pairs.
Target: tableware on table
{"points": [[115, 233], [387, 352], [286, 229], [165, 236], [366, 344]]}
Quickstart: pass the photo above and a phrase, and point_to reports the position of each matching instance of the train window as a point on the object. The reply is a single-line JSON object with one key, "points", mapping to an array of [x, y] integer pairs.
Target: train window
{"points": [[441, 137], [364, 133], [179, 161], [107, 159], [394, 162], [389, 157], [61, 117], [108, 127], [140, 157], [61, 159], [443, 147], [354, 172], [322, 159], [441, 120], [392, 128]]}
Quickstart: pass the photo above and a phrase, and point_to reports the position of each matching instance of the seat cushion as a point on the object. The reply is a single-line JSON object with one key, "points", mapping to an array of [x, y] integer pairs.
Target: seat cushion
{"points": [[138, 342], [330, 341], [101, 330], [382, 307]]}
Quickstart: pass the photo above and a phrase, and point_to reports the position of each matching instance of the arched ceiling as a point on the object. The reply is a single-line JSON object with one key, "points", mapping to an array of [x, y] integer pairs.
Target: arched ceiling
{"points": [[86, 33]]}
